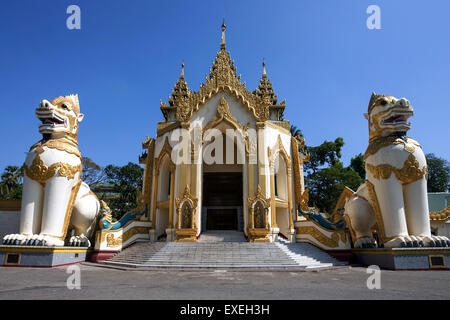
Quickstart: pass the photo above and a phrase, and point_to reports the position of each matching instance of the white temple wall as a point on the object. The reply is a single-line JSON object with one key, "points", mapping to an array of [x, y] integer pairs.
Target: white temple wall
{"points": [[283, 220], [207, 111]]}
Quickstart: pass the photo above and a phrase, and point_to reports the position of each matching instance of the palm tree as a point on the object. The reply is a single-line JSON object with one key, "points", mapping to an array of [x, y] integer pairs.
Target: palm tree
{"points": [[295, 131], [11, 179]]}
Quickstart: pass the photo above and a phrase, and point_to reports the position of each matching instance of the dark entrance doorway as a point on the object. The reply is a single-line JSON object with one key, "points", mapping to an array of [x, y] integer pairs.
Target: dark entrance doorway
{"points": [[222, 193], [221, 219]]}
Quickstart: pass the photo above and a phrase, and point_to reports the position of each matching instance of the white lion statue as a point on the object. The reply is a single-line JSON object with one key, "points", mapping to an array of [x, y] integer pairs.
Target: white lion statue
{"points": [[54, 199], [394, 197]]}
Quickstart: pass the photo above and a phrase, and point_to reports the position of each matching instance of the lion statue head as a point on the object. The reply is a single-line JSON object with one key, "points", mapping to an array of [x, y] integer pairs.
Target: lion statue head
{"points": [[388, 115], [60, 117]]}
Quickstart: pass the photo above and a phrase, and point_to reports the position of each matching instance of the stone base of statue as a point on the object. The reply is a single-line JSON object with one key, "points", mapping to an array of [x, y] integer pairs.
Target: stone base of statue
{"points": [[31, 256], [405, 258]]}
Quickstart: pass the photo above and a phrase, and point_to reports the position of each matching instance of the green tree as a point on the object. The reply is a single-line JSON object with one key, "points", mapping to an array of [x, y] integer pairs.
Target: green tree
{"points": [[11, 183], [327, 153], [326, 175], [438, 174], [92, 173], [126, 180], [295, 131], [359, 165], [327, 184]]}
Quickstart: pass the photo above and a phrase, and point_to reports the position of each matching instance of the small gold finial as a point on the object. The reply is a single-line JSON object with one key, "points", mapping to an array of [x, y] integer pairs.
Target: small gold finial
{"points": [[264, 69], [182, 70], [222, 44]]}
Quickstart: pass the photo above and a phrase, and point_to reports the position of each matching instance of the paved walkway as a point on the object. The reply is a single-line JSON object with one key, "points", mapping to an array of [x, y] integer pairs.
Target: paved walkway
{"points": [[108, 283]]}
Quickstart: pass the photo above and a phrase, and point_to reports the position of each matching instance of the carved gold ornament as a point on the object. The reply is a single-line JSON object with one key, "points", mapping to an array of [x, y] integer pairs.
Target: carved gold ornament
{"points": [[332, 242], [382, 142], [224, 114], [111, 241], [275, 152], [39, 172], [408, 174], [144, 197], [186, 211], [258, 216], [62, 144], [222, 77]]}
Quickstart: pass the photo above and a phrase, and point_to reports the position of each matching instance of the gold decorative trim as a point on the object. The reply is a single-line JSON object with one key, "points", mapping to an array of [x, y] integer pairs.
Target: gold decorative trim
{"points": [[437, 266], [165, 151], [258, 234], [73, 196], [161, 130], [282, 126], [272, 154], [148, 177], [11, 263], [182, 234], [408, 174], [222, 77], [376, 209], [298, 187], [111, 241], [224, 114], [39, 172], [62, 144], [376, 144], [332, 242]]}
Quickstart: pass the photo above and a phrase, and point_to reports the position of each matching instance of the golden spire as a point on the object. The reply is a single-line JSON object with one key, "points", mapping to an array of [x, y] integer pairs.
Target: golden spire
{"points": [[264, 69], [265, 89], [222, 44], [180, 91], [182, 70]]}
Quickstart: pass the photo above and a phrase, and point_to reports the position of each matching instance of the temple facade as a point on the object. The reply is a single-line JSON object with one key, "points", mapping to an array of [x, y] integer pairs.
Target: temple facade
{"points": [[223, 159]]}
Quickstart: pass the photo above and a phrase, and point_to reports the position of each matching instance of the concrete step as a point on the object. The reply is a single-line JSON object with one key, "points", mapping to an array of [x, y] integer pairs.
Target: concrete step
{"points": [[211, 254]]}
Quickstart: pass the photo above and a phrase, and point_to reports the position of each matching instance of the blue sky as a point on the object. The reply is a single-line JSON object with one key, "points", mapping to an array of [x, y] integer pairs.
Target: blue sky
{"points": [[320, 57]]}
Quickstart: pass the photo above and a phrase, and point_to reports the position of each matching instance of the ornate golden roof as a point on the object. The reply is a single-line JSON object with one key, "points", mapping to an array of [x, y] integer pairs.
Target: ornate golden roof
{"points": [[222, 77], [181, 89], [265, 90]]}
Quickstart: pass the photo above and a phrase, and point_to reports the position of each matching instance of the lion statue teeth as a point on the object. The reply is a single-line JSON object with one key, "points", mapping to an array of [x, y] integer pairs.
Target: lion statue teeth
{"points": [[54, 199], [394, 198]]}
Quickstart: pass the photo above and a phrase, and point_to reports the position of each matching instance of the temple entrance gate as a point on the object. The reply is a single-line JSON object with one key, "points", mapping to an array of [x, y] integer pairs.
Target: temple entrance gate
{"points": [[222, 201]]}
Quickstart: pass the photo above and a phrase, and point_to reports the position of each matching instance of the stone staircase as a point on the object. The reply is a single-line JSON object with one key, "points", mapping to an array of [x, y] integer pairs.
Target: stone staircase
{"points": [[222, 255]]}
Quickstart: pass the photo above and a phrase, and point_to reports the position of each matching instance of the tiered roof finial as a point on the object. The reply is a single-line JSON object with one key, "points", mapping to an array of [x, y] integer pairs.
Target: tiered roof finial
{"points": [[181, 89], [182, 70], [265, 90], [222, 75], [264, 75], [222, 44]]}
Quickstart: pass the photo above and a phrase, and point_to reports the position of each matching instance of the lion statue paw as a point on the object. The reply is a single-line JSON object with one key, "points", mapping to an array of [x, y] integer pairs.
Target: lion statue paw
{"points": [[366, 242], [79, 241]]}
